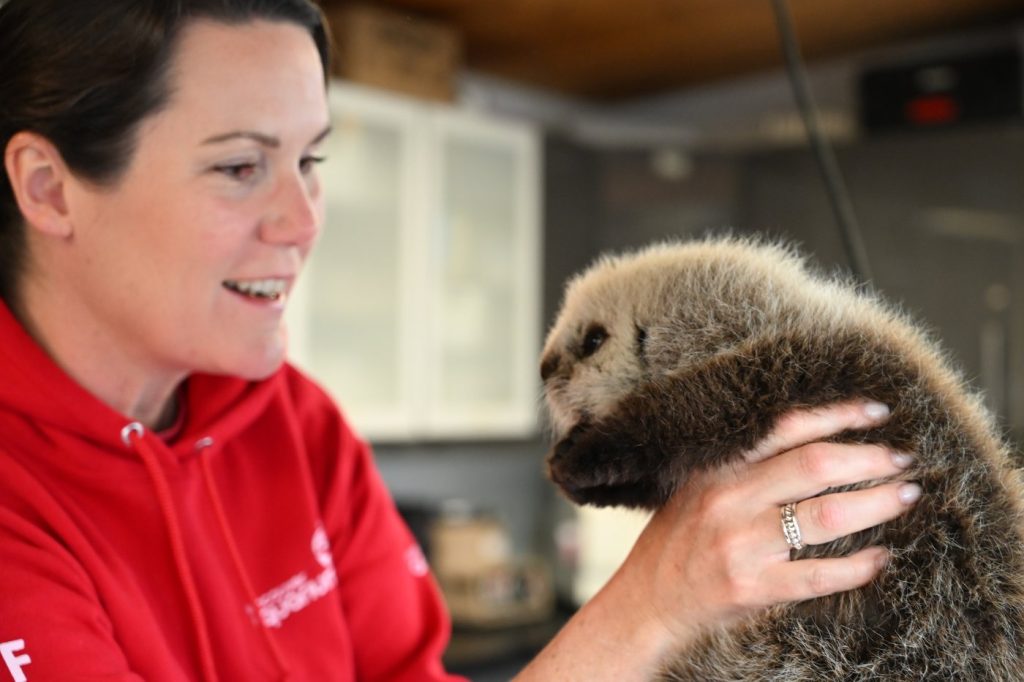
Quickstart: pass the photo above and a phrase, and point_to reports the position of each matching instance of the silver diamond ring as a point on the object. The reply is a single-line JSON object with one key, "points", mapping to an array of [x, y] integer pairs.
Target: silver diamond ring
{"points": [[790, 527]]}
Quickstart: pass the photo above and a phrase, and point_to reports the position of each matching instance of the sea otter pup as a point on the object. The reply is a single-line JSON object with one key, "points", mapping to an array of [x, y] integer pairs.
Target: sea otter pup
{"points": [[682, 356]]}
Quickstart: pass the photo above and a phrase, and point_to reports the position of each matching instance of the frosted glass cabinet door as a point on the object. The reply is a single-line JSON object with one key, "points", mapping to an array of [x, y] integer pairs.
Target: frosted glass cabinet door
{"points": [[351, 301], [485, 276]]}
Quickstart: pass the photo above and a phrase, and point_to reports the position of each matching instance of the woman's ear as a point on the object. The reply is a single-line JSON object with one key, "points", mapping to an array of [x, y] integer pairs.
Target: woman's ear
{"points": [[39, 178]]}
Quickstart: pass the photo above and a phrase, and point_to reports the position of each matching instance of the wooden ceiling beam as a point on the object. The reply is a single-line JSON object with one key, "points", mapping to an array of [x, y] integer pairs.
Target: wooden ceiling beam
{"points": [[727, 37], [612, 48], [498, 25]]}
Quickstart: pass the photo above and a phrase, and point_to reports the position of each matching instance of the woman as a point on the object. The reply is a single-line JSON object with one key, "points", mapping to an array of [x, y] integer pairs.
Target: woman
{"points": [[176, 503]]}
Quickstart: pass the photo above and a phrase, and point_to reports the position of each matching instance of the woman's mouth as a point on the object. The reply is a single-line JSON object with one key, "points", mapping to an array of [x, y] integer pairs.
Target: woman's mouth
{"points": [[271, 289]]}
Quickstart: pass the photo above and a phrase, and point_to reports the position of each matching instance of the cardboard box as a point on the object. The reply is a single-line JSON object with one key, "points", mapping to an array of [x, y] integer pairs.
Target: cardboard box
{"points": [[395, 51], [485, 586], [514, 593], [468, 546]]}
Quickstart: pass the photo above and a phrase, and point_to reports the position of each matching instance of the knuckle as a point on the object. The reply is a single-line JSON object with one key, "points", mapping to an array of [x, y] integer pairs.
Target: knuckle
{"points": [[844, 415], [731, 550], [737, 576], [784, 435], [738, 590], [819, 581], [788, 423], [874, 457], [815, 462], [852, 414], [718, 502], [728, 547], [827, 514]]}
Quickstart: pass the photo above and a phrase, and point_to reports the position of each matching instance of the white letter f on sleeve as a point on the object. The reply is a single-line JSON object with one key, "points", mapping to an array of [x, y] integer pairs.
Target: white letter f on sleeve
{"points": [[8, 651]]}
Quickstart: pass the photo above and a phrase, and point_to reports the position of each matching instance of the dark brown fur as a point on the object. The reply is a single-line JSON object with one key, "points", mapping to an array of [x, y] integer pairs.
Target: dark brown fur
{"points": [[950, 603]]}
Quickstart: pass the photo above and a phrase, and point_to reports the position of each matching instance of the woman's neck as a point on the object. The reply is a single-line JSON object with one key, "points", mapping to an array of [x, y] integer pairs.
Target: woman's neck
{"points": [[108, 371]]}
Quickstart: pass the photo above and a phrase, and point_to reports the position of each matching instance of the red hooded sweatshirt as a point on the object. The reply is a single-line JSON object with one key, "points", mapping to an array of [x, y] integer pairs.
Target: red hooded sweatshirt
{"points": [[255, 543]]}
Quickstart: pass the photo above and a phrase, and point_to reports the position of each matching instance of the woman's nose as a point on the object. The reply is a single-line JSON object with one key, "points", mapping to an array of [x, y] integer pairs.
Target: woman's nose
{"points": [[295, 213]]}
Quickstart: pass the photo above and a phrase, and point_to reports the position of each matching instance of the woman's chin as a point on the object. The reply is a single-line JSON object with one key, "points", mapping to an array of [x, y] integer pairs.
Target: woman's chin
{"points": [[262, 372], [254, 365]]}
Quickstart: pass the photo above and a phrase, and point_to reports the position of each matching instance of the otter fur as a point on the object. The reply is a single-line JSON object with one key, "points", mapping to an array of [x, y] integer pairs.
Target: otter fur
{"points": [[681, 357]]}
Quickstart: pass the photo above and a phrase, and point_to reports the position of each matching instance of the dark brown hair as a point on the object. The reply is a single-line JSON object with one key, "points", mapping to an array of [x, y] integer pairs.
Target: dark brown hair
{"points": [[85, 73]]}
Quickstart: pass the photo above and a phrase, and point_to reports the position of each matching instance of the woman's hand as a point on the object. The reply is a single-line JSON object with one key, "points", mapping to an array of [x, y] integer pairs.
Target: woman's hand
{"points": [[717, 551]]}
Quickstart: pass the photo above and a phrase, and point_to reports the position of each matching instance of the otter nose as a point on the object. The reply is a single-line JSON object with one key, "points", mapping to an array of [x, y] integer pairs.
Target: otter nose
{"points": [[549, 365]]}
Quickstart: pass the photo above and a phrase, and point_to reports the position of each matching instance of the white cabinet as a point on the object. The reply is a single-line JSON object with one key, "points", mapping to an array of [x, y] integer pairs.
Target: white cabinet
{"points": [[420, 306]]}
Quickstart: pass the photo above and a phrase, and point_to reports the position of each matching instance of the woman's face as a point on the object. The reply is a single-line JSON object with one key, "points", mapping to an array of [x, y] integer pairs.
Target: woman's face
{"points": [[188, 261]]}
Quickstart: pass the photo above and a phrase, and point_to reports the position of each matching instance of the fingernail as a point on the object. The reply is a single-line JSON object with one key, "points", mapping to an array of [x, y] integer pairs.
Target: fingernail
{"points": [[901, 459], [909, 492], [881, 559], [876, 411]]}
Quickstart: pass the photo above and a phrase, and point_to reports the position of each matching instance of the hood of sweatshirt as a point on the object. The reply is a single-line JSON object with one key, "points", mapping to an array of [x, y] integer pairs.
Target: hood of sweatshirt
{"points": [[34, 386], [212, 549], [37, 396]]}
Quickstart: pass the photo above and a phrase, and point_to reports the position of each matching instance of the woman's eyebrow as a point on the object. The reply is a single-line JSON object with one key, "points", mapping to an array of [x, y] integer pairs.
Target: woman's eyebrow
{"points": [[265, 140], [320, 137]]}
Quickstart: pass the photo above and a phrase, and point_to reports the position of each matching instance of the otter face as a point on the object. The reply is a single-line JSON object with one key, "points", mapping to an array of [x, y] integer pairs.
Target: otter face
{"points": [[626, 325], [623, 321], [593, 357]]}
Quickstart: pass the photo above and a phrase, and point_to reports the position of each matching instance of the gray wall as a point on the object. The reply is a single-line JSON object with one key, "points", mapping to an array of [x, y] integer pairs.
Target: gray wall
{"points": [[941, 213]]}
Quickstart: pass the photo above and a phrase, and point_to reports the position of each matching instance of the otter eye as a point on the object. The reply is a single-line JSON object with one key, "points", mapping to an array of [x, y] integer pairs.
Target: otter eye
{"points": [[596, 336]]}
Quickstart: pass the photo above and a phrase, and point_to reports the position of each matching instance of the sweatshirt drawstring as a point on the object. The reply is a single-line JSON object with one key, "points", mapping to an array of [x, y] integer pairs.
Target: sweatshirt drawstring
{"points": [[236, 558], [132, 435]]}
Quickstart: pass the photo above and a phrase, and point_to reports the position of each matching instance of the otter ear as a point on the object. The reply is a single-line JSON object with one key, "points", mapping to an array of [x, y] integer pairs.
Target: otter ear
{"points": [[640, 336], [39, 178]]}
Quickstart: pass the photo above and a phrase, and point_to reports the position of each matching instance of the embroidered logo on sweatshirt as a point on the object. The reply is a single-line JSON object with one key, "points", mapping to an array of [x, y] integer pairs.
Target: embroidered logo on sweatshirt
{"points": [[416, 562], [15, 661], [301, 589], [321, 547]]}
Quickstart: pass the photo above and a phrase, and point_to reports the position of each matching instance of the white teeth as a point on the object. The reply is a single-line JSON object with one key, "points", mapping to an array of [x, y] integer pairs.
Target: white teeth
{"points": [[261, 288]]}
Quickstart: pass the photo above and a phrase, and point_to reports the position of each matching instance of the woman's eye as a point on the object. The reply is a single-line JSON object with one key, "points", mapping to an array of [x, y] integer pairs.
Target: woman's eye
{"points": [[309, 162], [238, 171], [595, 336]]}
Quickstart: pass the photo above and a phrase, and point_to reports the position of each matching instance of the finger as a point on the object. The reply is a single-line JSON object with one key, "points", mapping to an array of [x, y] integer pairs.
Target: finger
{"points": [[809, 578], [803, 426], [809, 469], [825, 518]]}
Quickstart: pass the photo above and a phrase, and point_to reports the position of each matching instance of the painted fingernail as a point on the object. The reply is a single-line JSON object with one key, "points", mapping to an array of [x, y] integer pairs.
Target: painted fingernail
{"points": [[901, 459], [876, 411], [909, 492]]}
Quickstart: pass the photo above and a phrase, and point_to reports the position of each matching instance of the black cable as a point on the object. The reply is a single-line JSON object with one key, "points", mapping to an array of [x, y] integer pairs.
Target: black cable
{"points": [[834, 184]]}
